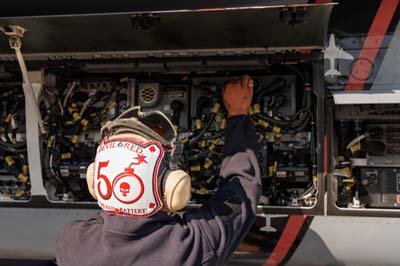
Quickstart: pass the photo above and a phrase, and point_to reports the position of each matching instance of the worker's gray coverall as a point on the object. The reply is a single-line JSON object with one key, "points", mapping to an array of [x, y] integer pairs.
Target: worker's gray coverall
{"points": [[202, 236]]}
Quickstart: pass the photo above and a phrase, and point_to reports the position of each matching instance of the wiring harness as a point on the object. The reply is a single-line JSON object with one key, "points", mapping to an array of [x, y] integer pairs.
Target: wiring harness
{"points": [[73, 116], [15, 182]]}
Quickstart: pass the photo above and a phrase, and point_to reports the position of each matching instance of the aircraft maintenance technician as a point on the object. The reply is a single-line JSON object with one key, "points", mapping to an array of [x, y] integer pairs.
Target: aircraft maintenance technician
{"points": [[140, 195]]}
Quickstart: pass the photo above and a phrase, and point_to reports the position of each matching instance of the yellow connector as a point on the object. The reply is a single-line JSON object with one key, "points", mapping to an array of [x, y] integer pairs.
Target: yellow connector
{"points": [[269, 137], [223, 124], [276, 129], [66, 156], [256, 108], [208, 163], [72, 109], [210, 179], [10, 161], [25, 169], [23, 178], [76, 116], [278, 136], [84, 122], [198, 124], [19, 193], [111, 105], [8, 118], [50, 141], [346, 171], [215, 108], [216, 141], [250, 111], [185, 140], [195, 168], [202, 144], [212, 147], [75, 139], [355, 148], [203, 190], [270, 170], [263, 123], [348, 180]]}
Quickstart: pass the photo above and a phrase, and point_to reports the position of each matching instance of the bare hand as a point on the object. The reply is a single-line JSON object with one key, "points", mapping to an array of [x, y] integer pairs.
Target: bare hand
{"points": [[237, 95]]}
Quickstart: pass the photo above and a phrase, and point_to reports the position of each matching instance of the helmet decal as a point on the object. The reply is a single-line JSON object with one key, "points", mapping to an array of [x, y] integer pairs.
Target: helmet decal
{"points": [[126, 177]]}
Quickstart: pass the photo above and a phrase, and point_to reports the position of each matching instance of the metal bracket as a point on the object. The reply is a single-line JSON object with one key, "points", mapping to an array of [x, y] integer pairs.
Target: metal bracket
{"points": [[268, 228]]}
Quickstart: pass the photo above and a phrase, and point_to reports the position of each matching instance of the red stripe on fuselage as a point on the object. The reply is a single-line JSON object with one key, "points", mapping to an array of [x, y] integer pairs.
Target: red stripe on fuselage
{"points": [[286, 240], [372, 44]]}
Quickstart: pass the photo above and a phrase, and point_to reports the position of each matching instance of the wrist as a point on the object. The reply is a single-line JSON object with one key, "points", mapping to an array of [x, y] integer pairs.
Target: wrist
{"points": [[240, 135], [236, 113]]}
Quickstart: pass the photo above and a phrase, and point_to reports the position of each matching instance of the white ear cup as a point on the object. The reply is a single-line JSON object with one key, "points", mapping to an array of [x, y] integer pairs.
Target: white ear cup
{"points": [[90, 180], [177, 190]]}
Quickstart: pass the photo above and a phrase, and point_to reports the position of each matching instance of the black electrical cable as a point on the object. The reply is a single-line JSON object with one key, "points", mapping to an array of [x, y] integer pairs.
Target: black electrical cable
{"points": [[202, 154], [276, 85], [198, 137], [303, 126], [9, 148], [278, 103], [295, 70], [214, 136], [5, 133]]}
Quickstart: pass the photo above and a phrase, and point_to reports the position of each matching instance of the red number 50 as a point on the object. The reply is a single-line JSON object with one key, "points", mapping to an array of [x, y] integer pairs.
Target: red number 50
{"points": [[100, 176]]}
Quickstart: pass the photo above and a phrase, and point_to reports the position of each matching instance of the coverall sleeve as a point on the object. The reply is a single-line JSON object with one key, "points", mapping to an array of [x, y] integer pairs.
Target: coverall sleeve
{"points": [[227, 217], [75, 234]]}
